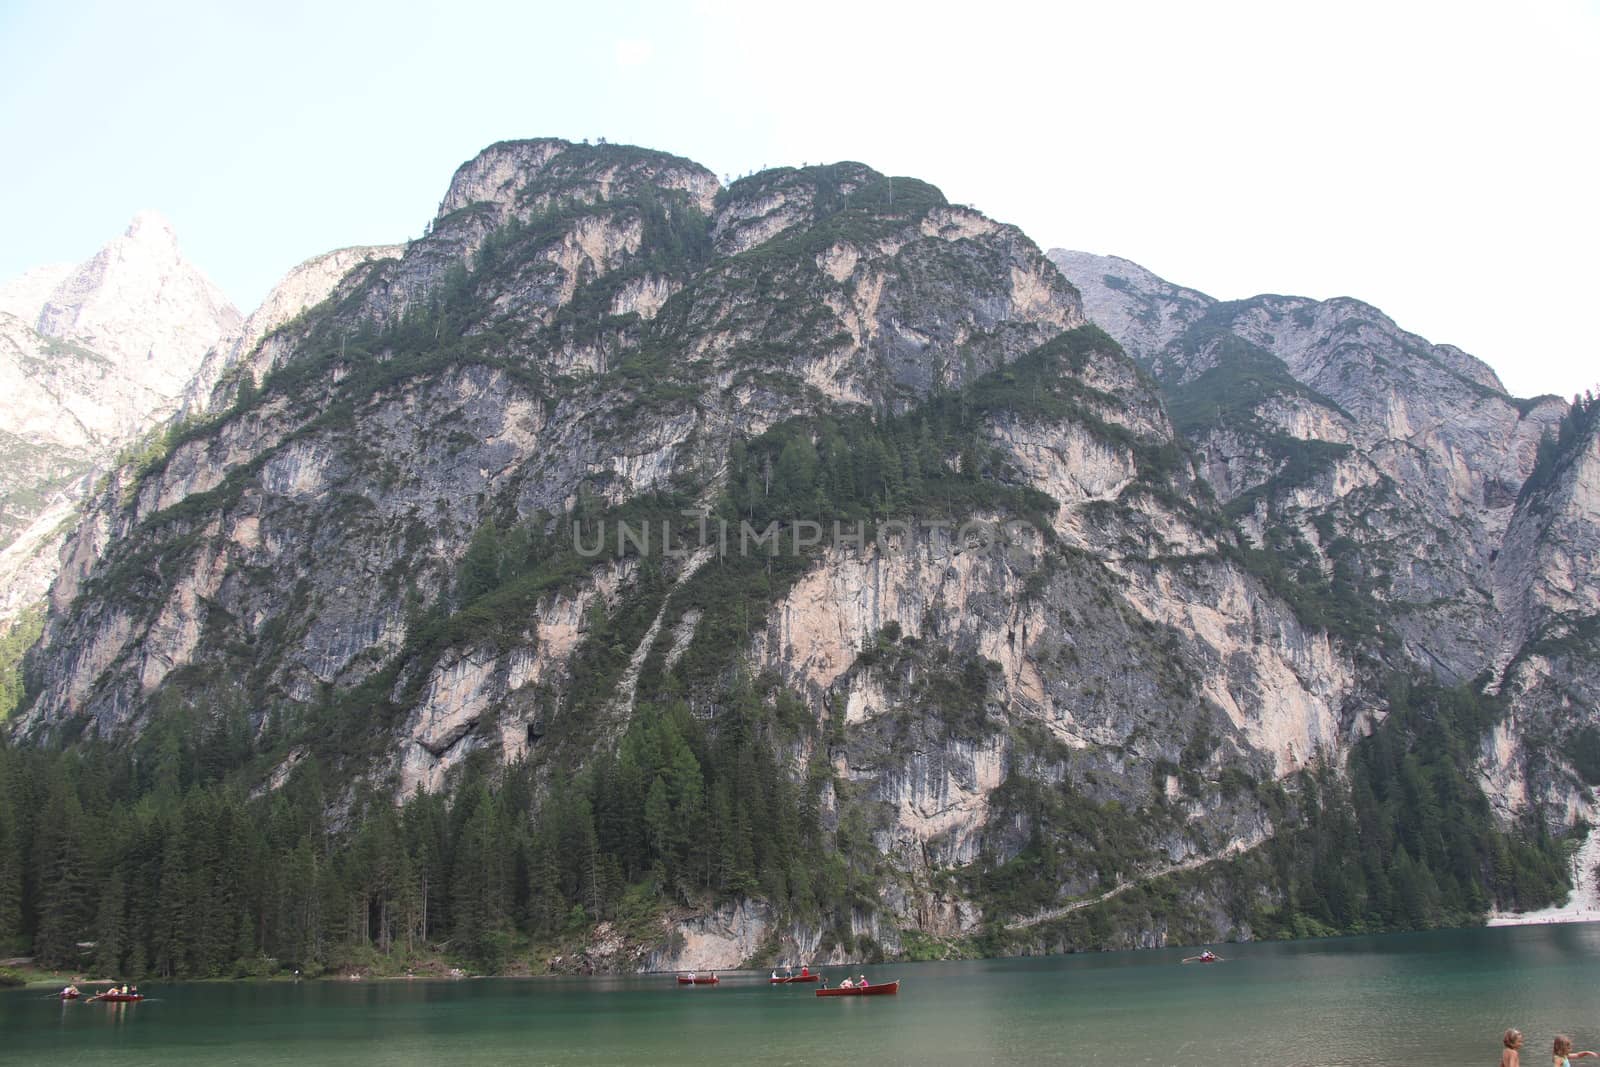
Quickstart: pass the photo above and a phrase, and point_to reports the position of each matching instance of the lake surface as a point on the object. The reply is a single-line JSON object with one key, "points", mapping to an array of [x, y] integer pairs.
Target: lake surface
{"points": [[1434, 998]]}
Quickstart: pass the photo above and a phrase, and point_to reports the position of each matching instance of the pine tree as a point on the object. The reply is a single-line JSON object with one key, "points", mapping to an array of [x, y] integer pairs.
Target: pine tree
{"points": [[480, 565], [64, 874], [171, 942], [658, 821], [478, 890], [111, 948], [11, 860]]}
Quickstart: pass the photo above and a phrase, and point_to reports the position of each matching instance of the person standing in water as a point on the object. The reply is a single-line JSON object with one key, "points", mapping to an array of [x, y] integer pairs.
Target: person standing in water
{"points": [[1511, 1055], [1562, 1055]]}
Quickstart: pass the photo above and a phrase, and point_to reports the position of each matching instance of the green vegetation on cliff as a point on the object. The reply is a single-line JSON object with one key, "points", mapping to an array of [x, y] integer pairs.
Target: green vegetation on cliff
{"points": [[1557, 450], [1404, 840], [1408, 842], [17, 639]]}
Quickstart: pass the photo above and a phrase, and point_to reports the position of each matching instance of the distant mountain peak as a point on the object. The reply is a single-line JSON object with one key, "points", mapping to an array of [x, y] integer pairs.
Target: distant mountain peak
{"points": [[139, 302], [150, 226]]}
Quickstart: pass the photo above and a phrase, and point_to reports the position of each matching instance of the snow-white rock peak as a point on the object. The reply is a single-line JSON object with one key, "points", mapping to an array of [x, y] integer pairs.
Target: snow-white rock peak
{"points": [[142, 305], [152, 226], [92, 355]]}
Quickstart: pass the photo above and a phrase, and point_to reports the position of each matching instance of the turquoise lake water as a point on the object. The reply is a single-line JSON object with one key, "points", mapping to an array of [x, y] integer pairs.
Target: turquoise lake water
{"points": [[1432, 998]]}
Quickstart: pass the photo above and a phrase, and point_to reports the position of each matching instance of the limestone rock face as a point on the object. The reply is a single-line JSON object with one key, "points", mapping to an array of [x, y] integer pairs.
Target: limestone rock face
{"points": [[1132, 595], [95, 356], [25, 295], [1144, 312], [98, 353], [599, 327], [140, 304], [1403, 469], [242, 349], [92, 357], [883, 337]]}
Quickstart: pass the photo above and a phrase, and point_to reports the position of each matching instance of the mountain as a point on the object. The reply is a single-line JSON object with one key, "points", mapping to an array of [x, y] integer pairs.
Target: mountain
{"points": [[92, 357], [635, 571], [1395, 470], [248, 348]]}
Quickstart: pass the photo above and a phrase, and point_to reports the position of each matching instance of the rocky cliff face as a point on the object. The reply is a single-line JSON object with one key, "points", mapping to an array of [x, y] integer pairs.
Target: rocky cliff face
{"points": [[603, 324], [241, 350], [1548, 658], [1062, 654], [591, 419], [1397, 467]]}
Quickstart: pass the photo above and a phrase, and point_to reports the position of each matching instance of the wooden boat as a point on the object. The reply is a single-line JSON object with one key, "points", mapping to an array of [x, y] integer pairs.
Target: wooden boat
{"points": [[698, 979], [119, 998], [793, 978], [879, 989]]}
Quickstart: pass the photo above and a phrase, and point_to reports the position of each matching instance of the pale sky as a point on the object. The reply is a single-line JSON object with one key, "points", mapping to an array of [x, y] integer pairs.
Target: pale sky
{"points": [[1439, 160]]}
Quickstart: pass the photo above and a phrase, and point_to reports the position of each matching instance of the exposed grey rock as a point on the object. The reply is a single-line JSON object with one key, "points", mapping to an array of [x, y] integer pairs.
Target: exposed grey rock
{"points": [[588, 327], [1421, 479]]}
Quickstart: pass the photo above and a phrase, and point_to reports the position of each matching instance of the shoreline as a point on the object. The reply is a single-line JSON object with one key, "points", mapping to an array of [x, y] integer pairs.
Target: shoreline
{"points": [[1582, 904], [51, 980], [1545, 917]]}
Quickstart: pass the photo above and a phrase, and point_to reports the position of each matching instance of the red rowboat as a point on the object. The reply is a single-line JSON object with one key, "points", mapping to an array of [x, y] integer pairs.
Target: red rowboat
{"points": [[791, 979], [69, 996], [119, 998], [881, 989], [698, 979]]}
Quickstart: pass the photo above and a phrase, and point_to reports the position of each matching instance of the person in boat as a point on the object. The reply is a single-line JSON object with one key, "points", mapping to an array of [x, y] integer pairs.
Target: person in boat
{"points": [[847, 984], [69, 990], [1511, 1055], [861, 982], [788, 970], [774, 976], [1562, 1055], [805, 972]]}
